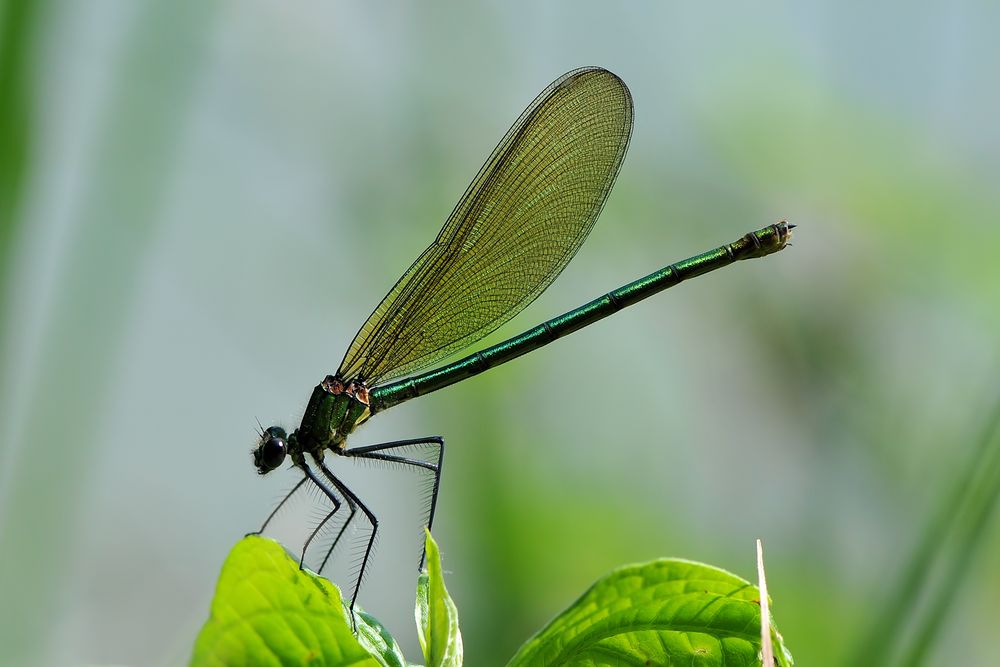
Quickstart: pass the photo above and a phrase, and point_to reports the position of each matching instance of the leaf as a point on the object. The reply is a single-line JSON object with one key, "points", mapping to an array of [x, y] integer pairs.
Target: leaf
{"points": [[267, 611], [666, 612], [437, 616]]}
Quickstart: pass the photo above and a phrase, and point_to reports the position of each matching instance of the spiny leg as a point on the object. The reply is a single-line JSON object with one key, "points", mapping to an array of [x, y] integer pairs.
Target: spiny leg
{"points": [[275, 510], [340, 533], [336, 506], [375, 452], [372, 520], [316, 532]]}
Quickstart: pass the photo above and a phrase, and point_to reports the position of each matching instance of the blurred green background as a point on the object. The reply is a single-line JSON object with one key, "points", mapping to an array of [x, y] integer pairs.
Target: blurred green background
{"points": [[202, 201]]}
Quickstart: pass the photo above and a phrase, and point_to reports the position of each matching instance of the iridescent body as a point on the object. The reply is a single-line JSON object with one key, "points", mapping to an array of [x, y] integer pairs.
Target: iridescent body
{"points": [[519, 223]]}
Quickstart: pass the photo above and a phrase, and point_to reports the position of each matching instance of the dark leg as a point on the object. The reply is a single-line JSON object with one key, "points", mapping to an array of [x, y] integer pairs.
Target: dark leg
{"points": [[336, 506], [376, 453], [318, 528], [340, 533], [372, 520], [275, 510]]}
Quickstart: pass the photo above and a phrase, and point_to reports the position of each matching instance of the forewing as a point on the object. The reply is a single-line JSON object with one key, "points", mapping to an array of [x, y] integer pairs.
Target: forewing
{"points": [[519, 223]]}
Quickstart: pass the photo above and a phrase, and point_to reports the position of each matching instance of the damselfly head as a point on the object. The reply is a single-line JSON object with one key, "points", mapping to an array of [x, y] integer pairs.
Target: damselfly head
{"points": [[270, 451]]}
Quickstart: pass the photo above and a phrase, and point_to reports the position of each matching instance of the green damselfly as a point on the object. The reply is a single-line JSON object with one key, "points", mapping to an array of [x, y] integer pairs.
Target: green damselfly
{"points": [[526, 213]]}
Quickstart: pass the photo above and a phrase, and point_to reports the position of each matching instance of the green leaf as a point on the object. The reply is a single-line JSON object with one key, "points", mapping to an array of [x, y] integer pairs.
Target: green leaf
{"points": [[267, 611], [666, 612], [437, 616]]}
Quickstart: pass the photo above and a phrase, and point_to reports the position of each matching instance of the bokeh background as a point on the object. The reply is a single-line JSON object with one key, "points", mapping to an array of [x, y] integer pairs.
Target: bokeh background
{"points": [[202, 201]]}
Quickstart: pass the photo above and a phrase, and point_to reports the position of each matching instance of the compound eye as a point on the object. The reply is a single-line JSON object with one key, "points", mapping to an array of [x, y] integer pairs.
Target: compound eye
{"points": [[271, 453], [274, 452]]}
